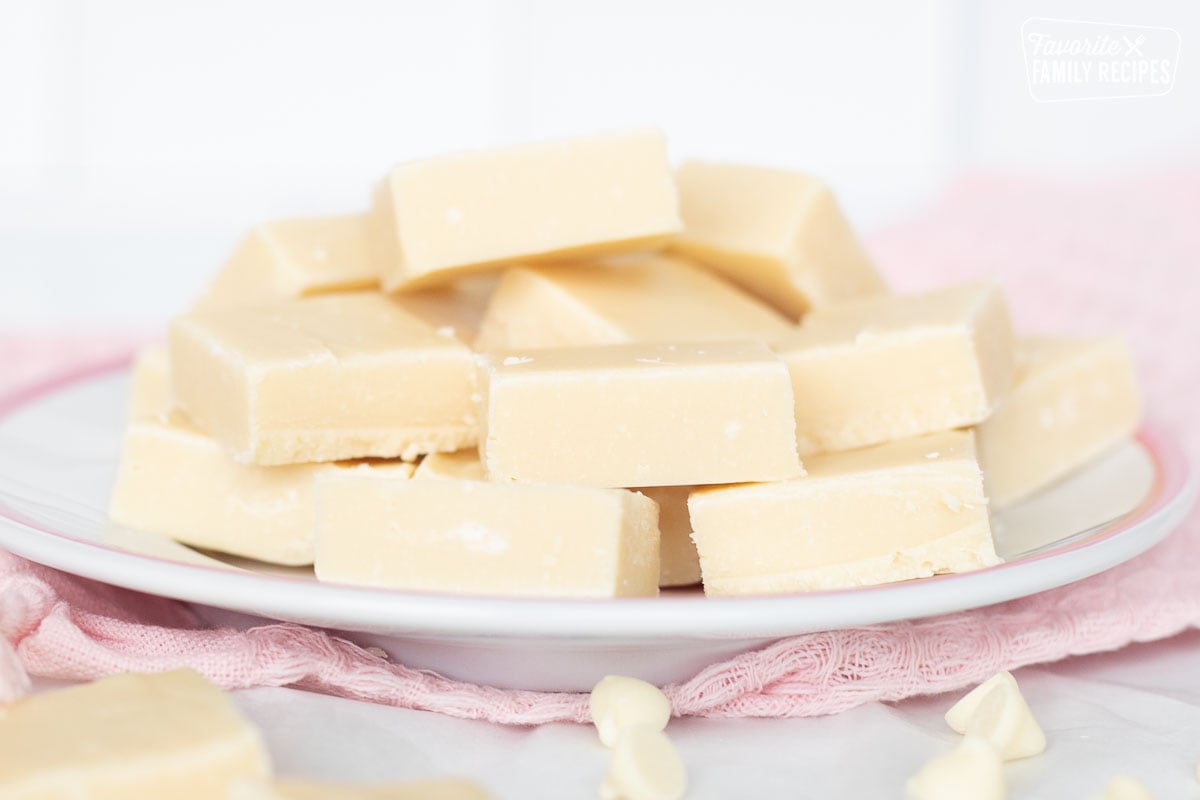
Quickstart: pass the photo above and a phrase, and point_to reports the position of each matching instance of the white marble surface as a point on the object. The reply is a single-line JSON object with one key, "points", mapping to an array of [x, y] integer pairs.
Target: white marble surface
{"points": [[1135, 711]]}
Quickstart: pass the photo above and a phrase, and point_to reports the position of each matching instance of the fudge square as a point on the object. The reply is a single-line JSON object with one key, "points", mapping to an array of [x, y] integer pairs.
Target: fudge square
{"points": [[1073, 399], [296, 258], [653, 299], [638, 415], [775, 233], [901, 510], [177, 482], [168, 735], [876, 370], [486, 538], [436, 219], [322, 379]]}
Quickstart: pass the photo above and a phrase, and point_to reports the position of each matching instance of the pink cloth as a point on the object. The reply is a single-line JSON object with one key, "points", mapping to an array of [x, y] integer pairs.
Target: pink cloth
{"points": [[1118, 255]]}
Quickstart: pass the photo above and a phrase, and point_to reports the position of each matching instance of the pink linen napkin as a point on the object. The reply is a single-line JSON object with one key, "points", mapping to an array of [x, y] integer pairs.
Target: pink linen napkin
{"points": [[1113, 255]]}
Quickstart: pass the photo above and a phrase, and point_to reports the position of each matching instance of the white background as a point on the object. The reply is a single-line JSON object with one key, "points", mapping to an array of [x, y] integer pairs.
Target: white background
{"points": [[138, 139]]}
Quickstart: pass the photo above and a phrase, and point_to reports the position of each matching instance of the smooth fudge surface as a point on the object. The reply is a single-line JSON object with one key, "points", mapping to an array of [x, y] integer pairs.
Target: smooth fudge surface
{"points": [[657, 299], [678, 563], [778, 234], [322, 379], [177, 482], [434, 219], [873, 371], [482, 537], [294, 258], [1073, 399], [901, 510], [638, 415], [128, 737]]}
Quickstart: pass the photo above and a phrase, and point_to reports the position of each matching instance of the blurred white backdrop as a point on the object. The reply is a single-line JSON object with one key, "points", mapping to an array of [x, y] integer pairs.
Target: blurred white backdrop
{"points": [[138, 139]]}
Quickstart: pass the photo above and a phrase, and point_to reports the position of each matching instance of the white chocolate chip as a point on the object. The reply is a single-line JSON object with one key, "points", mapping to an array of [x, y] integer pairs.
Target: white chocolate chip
{"points": [[644, 766], [971, 770], [618, 702], [1124, 787], [996, 712]]}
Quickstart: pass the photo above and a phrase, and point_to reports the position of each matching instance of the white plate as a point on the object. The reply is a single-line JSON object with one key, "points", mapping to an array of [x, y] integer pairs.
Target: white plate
{"points": [[59, 445]]}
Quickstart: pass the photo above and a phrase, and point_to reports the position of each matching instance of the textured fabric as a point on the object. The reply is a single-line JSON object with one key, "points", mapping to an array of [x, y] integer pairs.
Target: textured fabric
{"points": [[1100, 257]]}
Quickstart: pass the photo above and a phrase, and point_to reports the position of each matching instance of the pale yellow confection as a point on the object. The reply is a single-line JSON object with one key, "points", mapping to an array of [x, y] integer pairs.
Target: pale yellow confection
{"points": [[644, 765], [638, 415], [618, 702], [680, 565], [906, 509], [150, 387], [1125, 787], [294, 258], [972, 770], [446, 789], [177, 482], [1073, 398], [654, 299], [463, 465], [434, 219], [996, 712], [876, 370], [129, 737], [778, 234], [486, 538], [322, 379], [303, 257]]}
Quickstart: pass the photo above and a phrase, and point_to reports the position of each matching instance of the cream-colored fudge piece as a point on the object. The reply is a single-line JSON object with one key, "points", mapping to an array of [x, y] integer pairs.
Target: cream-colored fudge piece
{"points": [[486, 538], [644, 766], [463, 465], [971, 770], [638, 415], [996, 712], [1125, 787], [679, 562], [679, 565], [322, 379], [294, 258], [129, 737], [302, 257], [150, 384], [659, 299], [595, 195], [618, 702], [778, 234], [1073, 398], [877, 370], [177, 482], [902, 510], [445, 789]]}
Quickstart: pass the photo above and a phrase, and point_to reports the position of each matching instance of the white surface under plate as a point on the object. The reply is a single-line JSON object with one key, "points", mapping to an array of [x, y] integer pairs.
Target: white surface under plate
{"points": [[60, 442]]}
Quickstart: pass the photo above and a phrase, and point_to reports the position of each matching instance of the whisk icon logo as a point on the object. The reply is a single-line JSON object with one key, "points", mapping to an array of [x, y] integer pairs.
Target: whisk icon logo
{"points": [[1080, 60]]}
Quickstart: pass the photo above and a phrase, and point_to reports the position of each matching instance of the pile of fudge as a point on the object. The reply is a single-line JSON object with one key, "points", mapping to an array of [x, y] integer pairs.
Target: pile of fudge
{"points": [[566, 369]]}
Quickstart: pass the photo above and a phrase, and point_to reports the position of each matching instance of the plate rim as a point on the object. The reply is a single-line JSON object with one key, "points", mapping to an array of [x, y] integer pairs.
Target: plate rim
{"points": [[439, 616]]}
